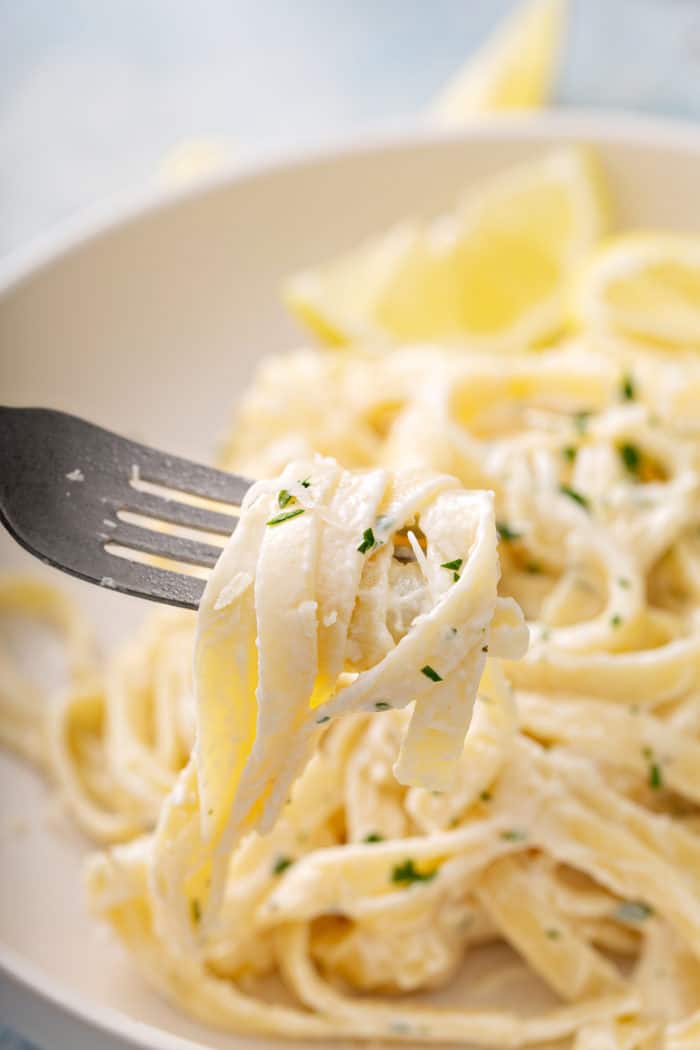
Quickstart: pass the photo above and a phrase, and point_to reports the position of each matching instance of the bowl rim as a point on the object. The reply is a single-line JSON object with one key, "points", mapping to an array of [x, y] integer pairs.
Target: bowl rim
{"points": [[26, 980], [20, 979], [90, 223]]}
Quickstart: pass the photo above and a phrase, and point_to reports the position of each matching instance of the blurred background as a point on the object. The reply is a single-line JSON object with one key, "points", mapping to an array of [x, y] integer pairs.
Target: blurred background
{"points": [[100, 98], [97, 97]]}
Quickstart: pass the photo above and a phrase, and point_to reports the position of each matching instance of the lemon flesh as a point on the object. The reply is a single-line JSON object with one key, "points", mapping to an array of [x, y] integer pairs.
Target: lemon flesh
{"points": [[646, 286], [513, 70], [494, 273]]}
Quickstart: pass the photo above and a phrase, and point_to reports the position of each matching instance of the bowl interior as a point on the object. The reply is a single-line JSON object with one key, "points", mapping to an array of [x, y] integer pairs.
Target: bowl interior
{"points": [[152, 326]]}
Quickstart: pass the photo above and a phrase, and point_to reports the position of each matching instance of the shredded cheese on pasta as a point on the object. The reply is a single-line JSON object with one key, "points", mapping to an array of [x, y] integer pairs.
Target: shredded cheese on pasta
{"points": [[387, 847], [300, 624]]}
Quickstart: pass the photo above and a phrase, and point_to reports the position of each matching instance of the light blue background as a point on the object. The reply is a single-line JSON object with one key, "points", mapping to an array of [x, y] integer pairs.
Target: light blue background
{"points": [[94, 92]]}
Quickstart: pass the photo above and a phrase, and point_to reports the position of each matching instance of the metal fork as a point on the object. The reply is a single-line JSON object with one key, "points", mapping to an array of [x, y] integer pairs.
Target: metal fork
{"points": [[91, 503]]}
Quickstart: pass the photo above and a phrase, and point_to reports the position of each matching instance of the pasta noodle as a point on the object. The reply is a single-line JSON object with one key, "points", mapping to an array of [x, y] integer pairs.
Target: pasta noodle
{"points": [[396, 832]]}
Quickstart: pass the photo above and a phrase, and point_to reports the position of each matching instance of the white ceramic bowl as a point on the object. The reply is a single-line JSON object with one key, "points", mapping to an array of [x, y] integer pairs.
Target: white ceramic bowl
{"points": [[150, 323]]}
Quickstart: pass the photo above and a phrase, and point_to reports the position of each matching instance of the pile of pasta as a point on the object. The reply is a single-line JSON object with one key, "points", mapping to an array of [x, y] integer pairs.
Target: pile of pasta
{"points": [[569, 830]]}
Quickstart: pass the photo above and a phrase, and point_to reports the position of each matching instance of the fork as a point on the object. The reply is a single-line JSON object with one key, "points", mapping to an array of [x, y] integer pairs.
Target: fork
{"points": [[101, 507]]}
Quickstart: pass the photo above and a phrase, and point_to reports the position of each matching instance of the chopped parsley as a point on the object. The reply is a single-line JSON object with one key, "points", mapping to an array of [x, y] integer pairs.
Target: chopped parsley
{"points": [[627, 390], [382, 705], [322, 719], [431, 673], [368, 542], [373, 836], [566, 490], [454, 567], [507, 534], [284, 498], [286, 515], [485, 796], [623, 582], [581, 421], [633, 911], [533, 568], [408, 873], [514, 835], [399, 1027], [195, 911], [655, 774], [616, 620], [631, 457], [569, 452], [281, 864], [306, 483], [553, 935], [656, 780]]}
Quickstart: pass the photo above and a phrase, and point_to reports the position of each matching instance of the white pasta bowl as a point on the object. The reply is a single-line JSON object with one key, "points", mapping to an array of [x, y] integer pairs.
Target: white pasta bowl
{"points": [[150, 320]]}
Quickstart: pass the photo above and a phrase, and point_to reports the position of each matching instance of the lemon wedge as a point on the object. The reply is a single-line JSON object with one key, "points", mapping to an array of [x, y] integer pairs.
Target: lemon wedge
{"points": [[494, 273], [513, 70], [644, 285]]}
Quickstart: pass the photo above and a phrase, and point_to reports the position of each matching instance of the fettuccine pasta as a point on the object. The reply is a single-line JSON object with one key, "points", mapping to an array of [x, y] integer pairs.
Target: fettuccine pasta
{"points": [[367, 782], [310, 615]]}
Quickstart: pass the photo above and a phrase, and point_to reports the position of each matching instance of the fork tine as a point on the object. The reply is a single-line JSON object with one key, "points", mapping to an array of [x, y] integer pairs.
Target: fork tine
{"points": [[185, 476], [163, 545], [173, 512], [153, 583], [63, 482]]}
